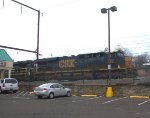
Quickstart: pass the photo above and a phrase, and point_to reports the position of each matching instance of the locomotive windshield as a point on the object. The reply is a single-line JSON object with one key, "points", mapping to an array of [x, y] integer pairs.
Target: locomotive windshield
{"points": [[120, 54]]}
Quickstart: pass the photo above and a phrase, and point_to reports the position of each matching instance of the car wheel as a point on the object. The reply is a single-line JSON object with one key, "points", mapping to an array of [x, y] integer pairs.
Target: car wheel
{"points": [[14, 91], [39, 97], [51, 95], [68, 94]]}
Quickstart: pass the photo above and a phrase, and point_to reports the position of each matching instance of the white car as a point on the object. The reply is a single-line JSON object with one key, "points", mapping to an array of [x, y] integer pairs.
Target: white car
{"points": [[8, 84], [51, 90]]}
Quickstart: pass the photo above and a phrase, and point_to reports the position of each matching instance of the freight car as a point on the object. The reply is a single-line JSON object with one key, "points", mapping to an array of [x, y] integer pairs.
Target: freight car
{"points": [[82, 66]]}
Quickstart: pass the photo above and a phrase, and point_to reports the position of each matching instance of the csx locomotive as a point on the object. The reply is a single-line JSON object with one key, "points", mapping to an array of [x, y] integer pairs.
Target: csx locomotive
{"points": [[82, 66]]}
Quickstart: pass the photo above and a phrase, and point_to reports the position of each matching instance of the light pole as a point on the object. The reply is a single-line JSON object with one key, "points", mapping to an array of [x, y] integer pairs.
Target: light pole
{"points": [[107, 10]]}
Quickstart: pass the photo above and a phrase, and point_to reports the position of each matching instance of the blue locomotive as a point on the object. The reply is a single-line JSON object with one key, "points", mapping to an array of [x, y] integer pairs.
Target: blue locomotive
{"points": [[82, 66]]}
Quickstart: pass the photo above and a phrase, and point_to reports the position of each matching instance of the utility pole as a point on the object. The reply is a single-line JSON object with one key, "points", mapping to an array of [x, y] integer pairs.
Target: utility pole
{"points": [[3, 3], [38, 27]]}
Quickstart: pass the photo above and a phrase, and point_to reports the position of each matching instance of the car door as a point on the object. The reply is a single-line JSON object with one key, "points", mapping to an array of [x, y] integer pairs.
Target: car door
{"points": [[62, 90], [56, 90]]}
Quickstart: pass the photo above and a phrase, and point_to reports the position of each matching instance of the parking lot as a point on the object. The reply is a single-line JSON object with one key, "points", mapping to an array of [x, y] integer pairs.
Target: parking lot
{"points": [[23, 105]]}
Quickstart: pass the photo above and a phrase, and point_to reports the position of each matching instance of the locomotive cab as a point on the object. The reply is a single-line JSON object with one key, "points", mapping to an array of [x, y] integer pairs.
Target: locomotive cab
{"points": [[117, 59]]}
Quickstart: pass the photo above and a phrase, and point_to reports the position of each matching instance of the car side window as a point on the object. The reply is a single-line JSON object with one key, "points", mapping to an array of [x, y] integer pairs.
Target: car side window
{"points": [[61, 86], [55, 86], [52, 86]]}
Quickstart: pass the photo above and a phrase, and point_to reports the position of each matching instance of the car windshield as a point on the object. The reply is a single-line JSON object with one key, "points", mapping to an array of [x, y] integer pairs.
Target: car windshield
{"points": [[10, 81]]}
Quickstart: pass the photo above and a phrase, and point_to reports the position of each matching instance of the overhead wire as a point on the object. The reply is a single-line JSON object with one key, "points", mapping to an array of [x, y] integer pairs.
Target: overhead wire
{"points": [[141, 40]]}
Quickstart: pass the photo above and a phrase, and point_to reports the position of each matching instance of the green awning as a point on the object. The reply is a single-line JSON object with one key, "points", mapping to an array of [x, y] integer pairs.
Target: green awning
{"points": [[4, 56]]}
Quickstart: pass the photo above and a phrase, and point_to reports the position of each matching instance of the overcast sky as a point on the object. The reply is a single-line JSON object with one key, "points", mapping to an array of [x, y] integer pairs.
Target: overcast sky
{"points": [[71, 27]]}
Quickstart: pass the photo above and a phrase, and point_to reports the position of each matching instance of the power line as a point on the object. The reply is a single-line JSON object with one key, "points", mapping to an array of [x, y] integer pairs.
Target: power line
{"points": [[38, 28], [17, 49], [3, 3]]}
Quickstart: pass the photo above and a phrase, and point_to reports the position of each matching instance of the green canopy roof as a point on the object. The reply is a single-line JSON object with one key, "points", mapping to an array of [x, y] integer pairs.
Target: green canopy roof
{"points": [[4, 56]]}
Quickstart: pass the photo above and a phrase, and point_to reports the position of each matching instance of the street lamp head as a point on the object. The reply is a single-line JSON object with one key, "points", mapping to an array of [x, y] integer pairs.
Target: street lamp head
{"points": [[113, 9], [104, 10]]}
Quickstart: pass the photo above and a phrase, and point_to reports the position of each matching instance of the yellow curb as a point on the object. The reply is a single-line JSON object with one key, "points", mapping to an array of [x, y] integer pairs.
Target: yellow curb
{"points": [[139, 97], [89, 95], [73, 95], [30, 93]]}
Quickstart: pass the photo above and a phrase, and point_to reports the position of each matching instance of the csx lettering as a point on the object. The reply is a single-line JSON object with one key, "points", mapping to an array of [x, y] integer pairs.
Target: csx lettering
{"points": [[69, 63]]}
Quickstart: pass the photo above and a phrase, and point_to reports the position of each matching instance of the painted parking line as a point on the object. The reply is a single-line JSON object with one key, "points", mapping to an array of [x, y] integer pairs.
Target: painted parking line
{"points": [[113, 100], [143, 102], [87, 99], [20, 93], [25, 93]]}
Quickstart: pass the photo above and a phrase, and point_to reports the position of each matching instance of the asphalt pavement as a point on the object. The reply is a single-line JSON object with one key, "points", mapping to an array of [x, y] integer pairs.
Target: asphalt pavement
{"points": [[24, 105]]}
